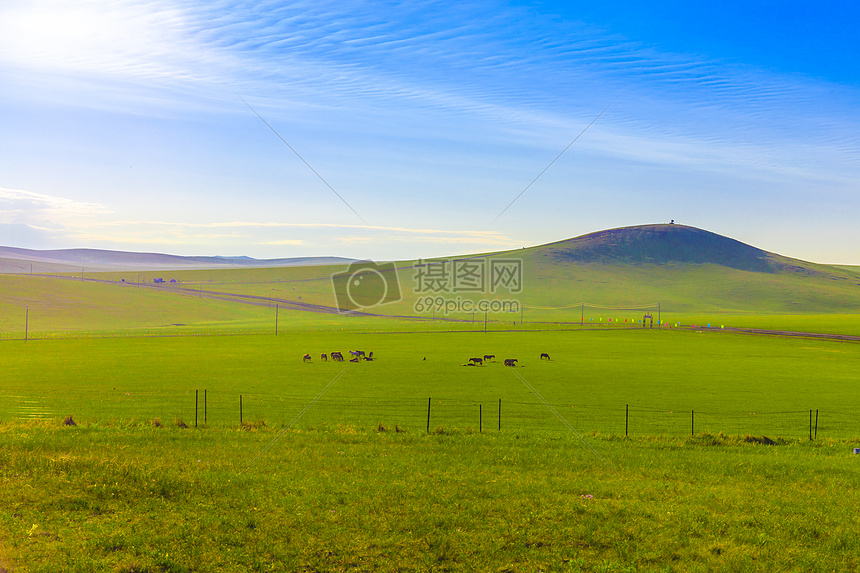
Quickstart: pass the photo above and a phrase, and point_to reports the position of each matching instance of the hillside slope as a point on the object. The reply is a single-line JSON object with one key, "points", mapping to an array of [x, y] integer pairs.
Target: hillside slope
{"points": [[686, 268]]}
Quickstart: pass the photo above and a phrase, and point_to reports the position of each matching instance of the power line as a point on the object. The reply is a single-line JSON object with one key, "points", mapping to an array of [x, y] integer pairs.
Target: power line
{"points": [[565, 422], [303, 160], [590, 305], [556, 158], [288, 426]]}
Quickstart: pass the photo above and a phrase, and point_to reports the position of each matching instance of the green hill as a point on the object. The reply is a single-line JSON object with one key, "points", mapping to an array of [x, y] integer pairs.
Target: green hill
{"points": [[689, 272], [659, 245]]}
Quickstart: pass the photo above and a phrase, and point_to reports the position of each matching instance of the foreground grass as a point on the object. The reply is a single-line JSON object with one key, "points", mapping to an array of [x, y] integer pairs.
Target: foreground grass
{"points": [[142, 498]]}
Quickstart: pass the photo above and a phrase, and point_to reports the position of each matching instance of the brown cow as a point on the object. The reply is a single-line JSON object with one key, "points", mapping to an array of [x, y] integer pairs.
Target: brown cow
{"points": [[306, 358]]}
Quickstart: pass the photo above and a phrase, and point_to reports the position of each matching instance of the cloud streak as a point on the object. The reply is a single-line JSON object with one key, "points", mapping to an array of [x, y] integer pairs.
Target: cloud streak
{"points": [[17, 206], [452, 105]]}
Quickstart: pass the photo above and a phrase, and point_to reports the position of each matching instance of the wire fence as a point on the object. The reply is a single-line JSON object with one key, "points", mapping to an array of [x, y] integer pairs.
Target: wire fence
{"points": [[202, 408]]}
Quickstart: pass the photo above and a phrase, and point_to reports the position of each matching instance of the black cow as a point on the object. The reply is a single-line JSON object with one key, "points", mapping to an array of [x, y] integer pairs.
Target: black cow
{"points": [[306, 358], [544, 356], [510, 361]]}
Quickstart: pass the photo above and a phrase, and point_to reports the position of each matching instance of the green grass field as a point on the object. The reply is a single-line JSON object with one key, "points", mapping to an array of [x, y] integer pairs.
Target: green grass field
{"points": [[736, 383], [630, 450], [357, 483], [132, 498]]}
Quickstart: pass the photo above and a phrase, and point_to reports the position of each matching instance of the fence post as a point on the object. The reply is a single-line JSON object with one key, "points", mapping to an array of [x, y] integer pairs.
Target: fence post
{"points": [[428, 414], [500, 414], [480, 418], [816, 423], [626, 419], [692, 422], [205, 410], [196, 393]]}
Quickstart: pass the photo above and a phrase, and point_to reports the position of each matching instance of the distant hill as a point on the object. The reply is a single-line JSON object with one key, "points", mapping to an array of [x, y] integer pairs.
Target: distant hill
{"points": [[660, 244], [687, 268], [16, 260]]}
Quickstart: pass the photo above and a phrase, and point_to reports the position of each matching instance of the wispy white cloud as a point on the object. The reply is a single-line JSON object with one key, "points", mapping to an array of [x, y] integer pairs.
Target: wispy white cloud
{"points": [[137, 235], [19, 206], [428, 85]]}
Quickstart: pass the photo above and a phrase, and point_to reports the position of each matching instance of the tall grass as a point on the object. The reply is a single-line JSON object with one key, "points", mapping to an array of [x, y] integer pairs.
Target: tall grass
{"points": [[140, 498]]}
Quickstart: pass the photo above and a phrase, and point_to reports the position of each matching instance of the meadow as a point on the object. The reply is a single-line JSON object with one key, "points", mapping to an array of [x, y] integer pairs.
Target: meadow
{"points": [[652, 382], [333, 467], [176, 427]]}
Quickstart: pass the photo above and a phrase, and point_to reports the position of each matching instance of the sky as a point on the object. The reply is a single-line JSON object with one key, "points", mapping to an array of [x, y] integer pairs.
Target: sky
{"points": [[399, 130]]}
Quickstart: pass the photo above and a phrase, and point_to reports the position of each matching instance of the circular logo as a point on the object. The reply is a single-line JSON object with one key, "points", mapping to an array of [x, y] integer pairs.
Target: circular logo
{"points": [[367, 287]]}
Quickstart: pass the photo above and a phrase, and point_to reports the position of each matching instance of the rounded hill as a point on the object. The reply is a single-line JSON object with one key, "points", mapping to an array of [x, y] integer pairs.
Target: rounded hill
{"points": [[660, 244]]}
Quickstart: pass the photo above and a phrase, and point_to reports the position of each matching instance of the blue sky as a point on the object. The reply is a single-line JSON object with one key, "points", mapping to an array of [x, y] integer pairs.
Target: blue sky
{"points": [[124, 127]]}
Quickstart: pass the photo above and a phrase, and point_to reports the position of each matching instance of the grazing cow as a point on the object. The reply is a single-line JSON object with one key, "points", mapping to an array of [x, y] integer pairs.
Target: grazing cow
{"points": [[306, 358], [476, 361], [356, 359], [488, 357], [370, 356], [510, 361], [359, 354], [544, 356], [337, 356], [323, 357]]}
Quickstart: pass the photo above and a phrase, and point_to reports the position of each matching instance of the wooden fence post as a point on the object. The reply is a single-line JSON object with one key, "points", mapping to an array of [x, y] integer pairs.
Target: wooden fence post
{"points": [[816, 423]]}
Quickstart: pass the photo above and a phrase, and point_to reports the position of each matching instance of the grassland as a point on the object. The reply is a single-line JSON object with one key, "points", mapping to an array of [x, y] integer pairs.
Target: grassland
{"points": [[357, 483], [631, 450], [735, 383], [134, 498]]}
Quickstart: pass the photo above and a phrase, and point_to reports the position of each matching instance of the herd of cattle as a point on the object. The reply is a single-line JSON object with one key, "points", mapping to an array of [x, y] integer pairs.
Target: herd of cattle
{"points": [[359, 355]]}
